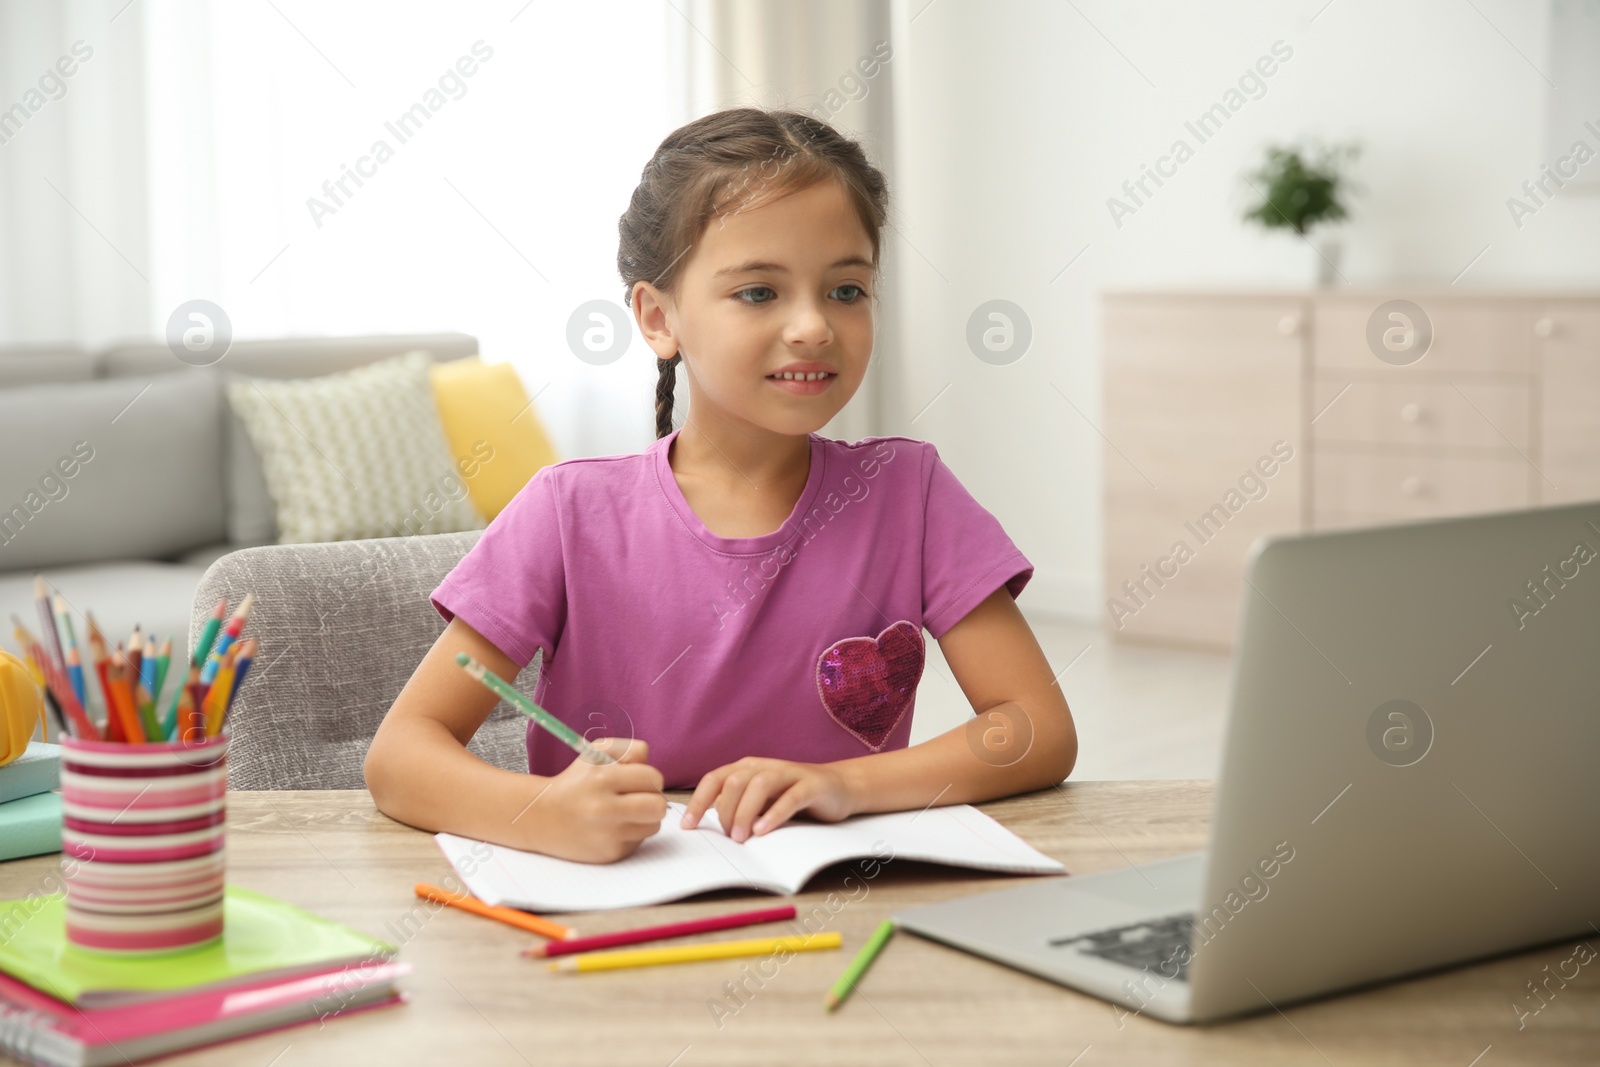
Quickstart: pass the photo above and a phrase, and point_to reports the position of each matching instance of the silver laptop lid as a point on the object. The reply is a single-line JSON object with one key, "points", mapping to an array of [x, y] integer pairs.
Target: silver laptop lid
{"points": [[1410, 777]]}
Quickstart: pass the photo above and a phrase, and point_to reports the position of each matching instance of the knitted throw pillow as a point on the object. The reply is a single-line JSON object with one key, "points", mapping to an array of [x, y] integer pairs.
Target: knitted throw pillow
{"points": [[356, 454]]}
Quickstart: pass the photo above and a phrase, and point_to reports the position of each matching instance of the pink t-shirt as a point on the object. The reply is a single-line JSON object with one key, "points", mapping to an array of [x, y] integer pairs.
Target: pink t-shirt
{"points": [[802, 644]]}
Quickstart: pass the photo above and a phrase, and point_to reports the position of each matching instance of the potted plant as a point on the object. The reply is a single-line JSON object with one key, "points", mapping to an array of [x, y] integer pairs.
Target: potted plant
{"points": [[1301, 190]]}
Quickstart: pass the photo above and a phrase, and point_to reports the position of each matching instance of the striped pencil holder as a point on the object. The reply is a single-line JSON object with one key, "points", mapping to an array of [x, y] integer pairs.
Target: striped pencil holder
{"points": [[142, 837]]}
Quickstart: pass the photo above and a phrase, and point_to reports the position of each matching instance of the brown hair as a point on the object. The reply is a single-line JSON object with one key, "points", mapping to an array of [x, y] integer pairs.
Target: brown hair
{"points": [[703, 169]]}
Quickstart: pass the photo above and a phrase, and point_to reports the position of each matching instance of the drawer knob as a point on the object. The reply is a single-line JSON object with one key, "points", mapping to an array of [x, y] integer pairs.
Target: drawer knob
{"points": [[1545, 327], [1411, 485], [1411, 413], [1289, 325]]}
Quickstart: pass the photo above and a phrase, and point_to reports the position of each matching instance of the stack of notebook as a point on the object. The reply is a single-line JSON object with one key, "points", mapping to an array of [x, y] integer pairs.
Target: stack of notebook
{"points": [[30, 813], [275, 966]]}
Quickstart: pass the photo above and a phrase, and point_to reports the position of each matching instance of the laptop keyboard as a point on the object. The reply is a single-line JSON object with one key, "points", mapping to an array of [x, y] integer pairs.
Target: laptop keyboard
{"points": [[1155, 943]]}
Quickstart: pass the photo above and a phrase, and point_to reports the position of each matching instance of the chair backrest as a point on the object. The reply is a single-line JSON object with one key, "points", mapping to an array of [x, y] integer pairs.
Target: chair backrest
{"points": [[342, 625]]}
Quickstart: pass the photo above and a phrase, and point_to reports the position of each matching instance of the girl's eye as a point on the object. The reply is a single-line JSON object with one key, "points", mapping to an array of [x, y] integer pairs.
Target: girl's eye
{"points": [[858, 295]]}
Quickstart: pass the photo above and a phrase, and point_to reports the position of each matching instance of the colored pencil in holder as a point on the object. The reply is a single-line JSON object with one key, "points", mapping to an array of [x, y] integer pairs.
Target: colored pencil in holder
{"points": [[122, 695], [225, 640], [52, 640]]}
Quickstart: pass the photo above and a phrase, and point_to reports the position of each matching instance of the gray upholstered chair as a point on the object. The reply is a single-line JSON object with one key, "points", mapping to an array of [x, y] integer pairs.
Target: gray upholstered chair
{"points": [[342, 625]]}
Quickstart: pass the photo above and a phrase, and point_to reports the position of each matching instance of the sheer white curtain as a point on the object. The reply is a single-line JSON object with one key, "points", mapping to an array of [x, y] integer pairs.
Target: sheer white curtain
{"points": [[334, 169]]}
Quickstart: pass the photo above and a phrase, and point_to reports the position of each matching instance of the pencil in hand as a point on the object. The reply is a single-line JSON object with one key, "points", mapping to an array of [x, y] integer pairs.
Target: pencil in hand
{"points": [[568, 736]]}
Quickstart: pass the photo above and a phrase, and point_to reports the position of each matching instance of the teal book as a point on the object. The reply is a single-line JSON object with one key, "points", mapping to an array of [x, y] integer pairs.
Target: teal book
{"points": [[30, 826], [37, 770]]}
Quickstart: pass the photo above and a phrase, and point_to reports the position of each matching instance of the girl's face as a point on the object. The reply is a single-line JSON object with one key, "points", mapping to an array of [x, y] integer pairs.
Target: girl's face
{"points": [[784, 287]]}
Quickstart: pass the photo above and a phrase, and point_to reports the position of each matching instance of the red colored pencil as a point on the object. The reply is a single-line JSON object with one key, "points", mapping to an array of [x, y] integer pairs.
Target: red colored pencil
{"points": [[61, 687], [194, 728], [656, 933]]}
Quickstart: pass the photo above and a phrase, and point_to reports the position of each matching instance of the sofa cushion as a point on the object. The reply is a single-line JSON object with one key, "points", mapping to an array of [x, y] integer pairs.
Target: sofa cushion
{"points": [[251, 517], [493, 430], [119, 469], [356, 454]]}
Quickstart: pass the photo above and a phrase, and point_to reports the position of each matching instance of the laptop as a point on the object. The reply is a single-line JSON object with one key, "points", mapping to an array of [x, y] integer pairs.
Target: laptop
{"points": [[1408, 782]]}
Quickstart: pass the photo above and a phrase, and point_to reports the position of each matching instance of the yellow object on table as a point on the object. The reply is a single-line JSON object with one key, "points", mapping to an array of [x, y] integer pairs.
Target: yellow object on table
{"points": [[21, 707], [494, 433], [707, 950]]}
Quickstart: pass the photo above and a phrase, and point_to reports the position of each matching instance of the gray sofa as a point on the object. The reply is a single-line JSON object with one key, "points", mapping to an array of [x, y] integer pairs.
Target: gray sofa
{"points": [[124, 473]]}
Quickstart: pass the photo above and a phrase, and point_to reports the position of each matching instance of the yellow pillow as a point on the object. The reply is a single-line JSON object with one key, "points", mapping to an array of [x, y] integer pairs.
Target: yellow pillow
{"points": [[493, 431]]}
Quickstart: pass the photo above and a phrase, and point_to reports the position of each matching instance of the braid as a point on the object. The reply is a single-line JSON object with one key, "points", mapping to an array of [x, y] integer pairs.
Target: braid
{"points": [[666, 379]]}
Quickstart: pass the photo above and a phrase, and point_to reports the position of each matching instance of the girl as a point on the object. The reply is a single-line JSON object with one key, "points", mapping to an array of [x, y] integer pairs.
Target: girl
{"points": [[739, 608]]}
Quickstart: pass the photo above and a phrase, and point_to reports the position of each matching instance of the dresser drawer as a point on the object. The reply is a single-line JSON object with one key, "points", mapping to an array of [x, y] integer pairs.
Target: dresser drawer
{"points": [[1469, 333], [1414, 487], [1455, 414]]}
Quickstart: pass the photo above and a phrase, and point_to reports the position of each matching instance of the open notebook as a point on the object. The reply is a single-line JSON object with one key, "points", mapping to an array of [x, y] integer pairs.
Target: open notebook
{"points": [[675, 862]]}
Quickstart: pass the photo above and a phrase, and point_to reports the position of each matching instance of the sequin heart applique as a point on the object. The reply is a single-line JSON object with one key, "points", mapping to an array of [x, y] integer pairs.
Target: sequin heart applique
{"points": [[866, 683]]}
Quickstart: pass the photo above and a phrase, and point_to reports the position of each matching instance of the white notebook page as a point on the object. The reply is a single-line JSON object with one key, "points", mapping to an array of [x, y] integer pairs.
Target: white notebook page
{"points": [[675, 863]]}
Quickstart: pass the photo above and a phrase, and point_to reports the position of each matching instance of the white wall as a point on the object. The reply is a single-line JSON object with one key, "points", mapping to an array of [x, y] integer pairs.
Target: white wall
{"points": [[1018, 120]]}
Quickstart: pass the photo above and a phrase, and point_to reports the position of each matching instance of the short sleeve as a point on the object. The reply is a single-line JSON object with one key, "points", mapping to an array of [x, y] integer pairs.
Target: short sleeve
{"points": [[966, 554], [511, 586]]}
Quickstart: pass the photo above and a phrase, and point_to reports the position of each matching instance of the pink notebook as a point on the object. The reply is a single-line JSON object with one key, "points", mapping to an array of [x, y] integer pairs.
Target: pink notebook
{"points": [[41, 1029]]}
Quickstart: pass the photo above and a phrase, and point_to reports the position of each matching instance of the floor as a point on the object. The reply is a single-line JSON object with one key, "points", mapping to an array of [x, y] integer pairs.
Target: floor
{"points": [[1142, 711]]}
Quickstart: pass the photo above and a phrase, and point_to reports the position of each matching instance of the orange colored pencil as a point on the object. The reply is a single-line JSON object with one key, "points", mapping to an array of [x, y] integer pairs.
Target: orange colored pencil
{"points": [[116, 727], [510, 916], [122, 694]]}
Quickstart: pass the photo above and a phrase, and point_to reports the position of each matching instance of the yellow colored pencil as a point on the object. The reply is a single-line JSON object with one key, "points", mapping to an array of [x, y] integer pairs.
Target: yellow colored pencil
{"points": [[710, 950], [216, 697]]}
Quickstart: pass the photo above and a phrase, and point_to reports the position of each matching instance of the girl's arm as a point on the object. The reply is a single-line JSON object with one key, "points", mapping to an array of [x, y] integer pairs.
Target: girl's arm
{"points": [[1022, 739], [420, 772]]}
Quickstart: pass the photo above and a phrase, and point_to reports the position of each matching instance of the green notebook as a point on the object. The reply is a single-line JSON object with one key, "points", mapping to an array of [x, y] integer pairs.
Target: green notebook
{"points": [[30, 826], [261, 937]]}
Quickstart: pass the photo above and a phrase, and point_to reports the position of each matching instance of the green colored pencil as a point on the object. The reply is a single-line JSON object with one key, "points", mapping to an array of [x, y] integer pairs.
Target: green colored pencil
{"points": [[567, 735], [858, 966], [208, 634]]}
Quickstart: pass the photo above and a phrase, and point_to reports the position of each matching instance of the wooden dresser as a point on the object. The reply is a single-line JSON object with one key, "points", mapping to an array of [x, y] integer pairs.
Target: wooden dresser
{"points": [[1230, 415]]}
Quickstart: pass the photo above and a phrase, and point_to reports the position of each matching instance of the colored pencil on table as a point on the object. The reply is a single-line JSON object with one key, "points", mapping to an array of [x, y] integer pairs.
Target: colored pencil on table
{"points": [[41, 600], [858, 966], [510, 916], [563, 732], [656, 933], [70, 655], [230, 634], [710, 950], [208, 633]]}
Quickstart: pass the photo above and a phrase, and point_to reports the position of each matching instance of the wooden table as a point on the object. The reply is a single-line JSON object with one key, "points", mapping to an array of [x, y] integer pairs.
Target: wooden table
{"points": [[474, 1000]]}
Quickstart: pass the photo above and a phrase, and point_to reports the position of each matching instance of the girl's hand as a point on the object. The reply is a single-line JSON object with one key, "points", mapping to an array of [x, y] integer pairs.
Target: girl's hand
{"points": [[778, 788], [600, 813]]}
